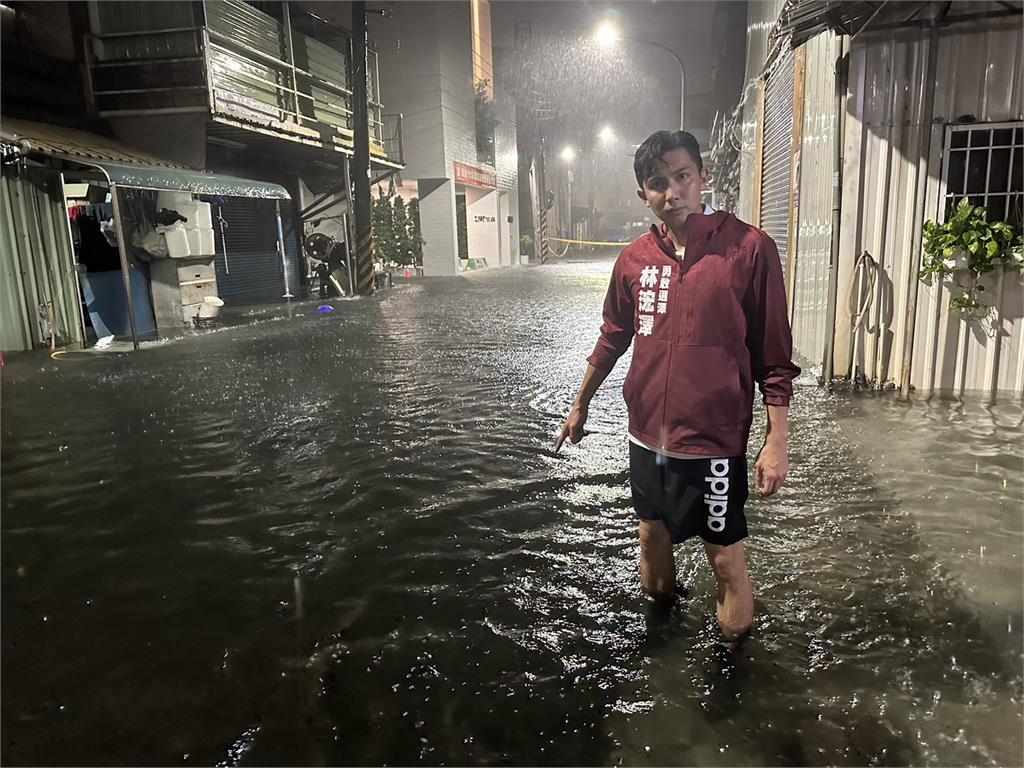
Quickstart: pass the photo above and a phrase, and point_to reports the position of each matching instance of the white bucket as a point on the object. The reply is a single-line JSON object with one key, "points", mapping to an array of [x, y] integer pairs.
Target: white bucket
{"points": [[211, 306]]}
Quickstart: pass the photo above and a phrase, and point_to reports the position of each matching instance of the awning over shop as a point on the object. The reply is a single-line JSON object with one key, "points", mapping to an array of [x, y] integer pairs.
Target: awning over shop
{"points": [[184, 180], [127, 167], [804, 19]]}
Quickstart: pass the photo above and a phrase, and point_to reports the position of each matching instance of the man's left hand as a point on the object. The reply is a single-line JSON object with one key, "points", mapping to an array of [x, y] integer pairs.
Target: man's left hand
{"points": [[771, 467]]}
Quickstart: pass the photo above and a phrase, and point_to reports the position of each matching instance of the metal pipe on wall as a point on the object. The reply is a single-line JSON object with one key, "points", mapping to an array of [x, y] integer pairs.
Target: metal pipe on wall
{"points": [[280, 250], [916, 242], [842, 71], [115, 197], [74, 261], [349, 230]]}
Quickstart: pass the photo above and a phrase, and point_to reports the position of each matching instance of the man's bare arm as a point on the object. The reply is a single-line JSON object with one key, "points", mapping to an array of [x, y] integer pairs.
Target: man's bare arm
{"points": [[772, 464], [573, 427]]}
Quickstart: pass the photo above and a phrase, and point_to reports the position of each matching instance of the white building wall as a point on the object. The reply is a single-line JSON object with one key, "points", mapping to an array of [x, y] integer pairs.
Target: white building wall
{"points": [[482, 224], [437, 224], [506, 158], [426, 70], [410, 69]]}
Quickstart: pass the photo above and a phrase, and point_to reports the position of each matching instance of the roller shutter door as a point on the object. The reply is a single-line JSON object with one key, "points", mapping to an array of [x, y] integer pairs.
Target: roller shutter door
{"points": [[777, 152], [253, 271]]}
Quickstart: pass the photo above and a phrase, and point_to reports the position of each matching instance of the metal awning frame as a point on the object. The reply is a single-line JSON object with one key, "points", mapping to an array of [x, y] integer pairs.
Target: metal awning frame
{"points": [[196, 182]]}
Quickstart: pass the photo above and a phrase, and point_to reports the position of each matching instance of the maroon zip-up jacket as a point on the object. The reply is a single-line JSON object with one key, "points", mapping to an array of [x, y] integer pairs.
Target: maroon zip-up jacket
{"points": [[707, 327]]}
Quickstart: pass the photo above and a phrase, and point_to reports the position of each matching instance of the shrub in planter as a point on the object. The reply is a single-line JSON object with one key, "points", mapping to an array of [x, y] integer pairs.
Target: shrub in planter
{"points": [[526, 245]]}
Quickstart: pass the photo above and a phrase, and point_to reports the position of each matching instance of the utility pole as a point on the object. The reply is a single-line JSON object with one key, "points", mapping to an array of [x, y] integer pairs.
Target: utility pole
{"points": [[361, 158], [545, 201]]}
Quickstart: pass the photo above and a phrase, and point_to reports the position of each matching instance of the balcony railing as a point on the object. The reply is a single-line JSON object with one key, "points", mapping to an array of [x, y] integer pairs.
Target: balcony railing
{"points": [[392, 138], [237, 63]]}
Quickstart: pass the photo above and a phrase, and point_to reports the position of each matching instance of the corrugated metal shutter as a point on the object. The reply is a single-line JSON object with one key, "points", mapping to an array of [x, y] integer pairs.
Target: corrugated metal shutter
{"points": [[811, 271], [778, 150], [36, 265], [253, 272]]}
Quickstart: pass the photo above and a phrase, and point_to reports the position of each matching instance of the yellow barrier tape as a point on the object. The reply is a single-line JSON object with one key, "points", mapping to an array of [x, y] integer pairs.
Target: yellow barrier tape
{"points": [[585, 242]]}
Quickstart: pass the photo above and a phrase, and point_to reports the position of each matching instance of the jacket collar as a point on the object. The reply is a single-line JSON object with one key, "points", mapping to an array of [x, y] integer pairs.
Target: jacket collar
{"points": [[698, 228]]}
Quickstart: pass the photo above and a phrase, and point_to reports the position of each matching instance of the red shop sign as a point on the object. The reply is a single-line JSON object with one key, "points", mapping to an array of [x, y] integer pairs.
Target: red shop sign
{"points": [[474, 177]]}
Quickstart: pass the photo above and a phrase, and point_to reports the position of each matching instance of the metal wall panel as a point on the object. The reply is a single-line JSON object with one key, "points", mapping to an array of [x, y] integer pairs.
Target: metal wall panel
{"points": [[116, 17], [778, 152], [980, 73], [36, 264], [814, 222]]}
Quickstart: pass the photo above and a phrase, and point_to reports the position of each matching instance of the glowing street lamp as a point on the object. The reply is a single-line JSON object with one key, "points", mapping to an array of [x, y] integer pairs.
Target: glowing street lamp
{"points": [[568, 154], [606, 35], [607, 135]]}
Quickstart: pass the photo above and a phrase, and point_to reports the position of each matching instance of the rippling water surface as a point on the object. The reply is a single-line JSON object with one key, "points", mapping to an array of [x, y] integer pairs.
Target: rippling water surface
{"points": [[344, 539]]}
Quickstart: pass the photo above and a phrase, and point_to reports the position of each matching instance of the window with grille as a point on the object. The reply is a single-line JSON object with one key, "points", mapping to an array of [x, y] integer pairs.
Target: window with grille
{"points": [[985, 163]]}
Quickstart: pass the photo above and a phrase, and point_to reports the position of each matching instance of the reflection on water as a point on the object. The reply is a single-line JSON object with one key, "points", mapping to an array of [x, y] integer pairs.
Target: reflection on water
{"points": [[344, 539]]}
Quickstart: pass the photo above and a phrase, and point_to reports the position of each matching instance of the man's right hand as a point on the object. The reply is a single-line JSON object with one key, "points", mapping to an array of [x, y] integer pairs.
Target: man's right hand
{"points": [[573, 427]]}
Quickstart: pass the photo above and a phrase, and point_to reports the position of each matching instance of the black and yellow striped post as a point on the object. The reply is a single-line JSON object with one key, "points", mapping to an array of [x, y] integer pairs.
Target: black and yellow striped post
{"points": [[545, 247], [364, 263], [361, 155]]}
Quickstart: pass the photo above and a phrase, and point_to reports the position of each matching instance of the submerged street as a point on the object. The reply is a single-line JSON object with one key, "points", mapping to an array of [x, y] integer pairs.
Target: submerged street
{"points": [[343, 539]]}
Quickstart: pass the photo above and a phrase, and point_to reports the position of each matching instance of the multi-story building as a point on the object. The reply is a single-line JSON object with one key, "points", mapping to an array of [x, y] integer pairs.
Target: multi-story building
{"points": [[258, 90], [458, 129]]}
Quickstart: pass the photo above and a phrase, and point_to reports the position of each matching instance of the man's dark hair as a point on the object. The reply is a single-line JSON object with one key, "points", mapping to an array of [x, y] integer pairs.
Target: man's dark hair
{"points": [[648, 155]]}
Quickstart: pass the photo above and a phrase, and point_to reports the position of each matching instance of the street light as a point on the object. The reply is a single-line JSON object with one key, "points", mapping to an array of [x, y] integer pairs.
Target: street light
{"points": [[607, 135], [568, 154], [607, 35]]}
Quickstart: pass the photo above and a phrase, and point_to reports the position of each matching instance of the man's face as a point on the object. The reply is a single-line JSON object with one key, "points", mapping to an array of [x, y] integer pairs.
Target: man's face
{"points": [[673, 191]]}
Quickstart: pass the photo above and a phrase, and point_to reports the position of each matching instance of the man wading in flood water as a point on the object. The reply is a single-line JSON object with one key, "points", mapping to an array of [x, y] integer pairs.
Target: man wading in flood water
{"points": [[704, 297]]}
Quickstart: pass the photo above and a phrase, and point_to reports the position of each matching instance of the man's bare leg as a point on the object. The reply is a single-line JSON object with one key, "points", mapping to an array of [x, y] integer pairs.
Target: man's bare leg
{"points": [[657, 564], [735, 600]]}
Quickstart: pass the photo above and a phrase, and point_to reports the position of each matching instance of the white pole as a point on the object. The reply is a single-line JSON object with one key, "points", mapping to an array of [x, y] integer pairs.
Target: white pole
{"points": [[280, 250]]}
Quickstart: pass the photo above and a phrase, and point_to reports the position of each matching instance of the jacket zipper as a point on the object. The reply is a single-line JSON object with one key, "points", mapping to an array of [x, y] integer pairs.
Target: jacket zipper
{"points": [[673, 337]]}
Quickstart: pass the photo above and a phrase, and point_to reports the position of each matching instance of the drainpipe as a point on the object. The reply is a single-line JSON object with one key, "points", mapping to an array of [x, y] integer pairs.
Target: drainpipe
{"points": [[841, 74], [928, 85], [115, 197]]}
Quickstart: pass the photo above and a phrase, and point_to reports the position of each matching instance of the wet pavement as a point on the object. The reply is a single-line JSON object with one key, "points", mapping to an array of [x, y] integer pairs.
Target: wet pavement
{"points": [[343, 539]]}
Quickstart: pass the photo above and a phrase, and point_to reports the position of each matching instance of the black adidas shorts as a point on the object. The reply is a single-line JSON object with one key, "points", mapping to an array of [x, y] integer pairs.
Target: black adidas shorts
{"points": [[693, 497]]}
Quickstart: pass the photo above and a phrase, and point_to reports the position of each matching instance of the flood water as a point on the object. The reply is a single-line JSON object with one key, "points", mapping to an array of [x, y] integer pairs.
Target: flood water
{"points": [[343, 539]]}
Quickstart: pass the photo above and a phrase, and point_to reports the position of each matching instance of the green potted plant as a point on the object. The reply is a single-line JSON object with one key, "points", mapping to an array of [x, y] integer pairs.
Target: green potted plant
{"points": [[966, 247]]}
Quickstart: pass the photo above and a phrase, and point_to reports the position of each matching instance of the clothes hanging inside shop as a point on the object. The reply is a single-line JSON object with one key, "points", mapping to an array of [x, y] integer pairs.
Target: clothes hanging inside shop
{"points": [[95, 254]]}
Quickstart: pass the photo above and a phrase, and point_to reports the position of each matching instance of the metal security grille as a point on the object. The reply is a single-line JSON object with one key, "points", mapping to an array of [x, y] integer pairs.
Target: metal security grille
{"points": [[252, 272], [985, 164], [777, 151]]}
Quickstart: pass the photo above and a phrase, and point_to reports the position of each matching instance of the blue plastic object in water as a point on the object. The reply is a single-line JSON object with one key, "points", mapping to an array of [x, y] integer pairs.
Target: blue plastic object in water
{"points": [[323, 309]]}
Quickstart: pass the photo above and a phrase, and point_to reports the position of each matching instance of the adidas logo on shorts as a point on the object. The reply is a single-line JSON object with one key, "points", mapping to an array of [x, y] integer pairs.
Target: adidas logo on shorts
{"points": [[718, 498]]}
